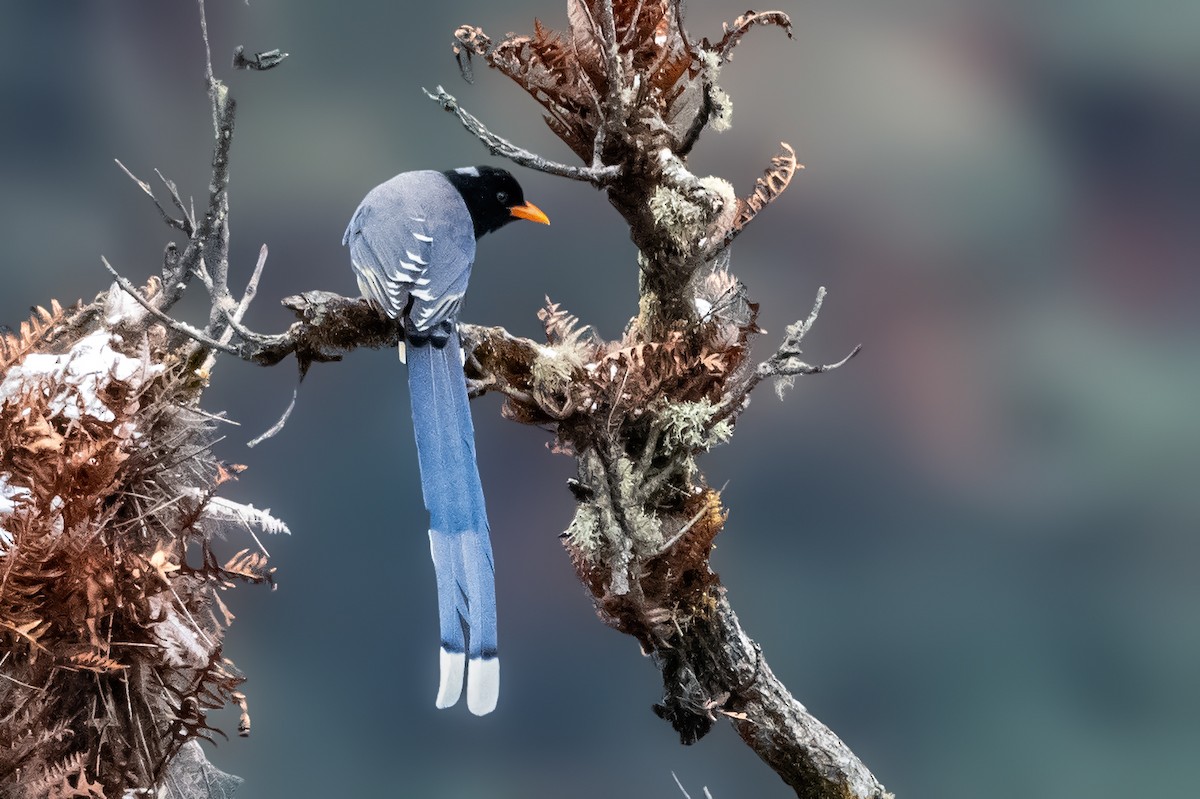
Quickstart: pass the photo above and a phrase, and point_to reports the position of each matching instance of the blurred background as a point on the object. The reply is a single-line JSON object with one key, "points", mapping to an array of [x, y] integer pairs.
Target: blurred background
{"points": [[972, 552]]}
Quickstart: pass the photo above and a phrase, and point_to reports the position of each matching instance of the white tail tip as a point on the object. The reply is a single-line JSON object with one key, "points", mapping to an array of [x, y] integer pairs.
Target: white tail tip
{"points": [[450, 687], [483, 685], [403, 353]]}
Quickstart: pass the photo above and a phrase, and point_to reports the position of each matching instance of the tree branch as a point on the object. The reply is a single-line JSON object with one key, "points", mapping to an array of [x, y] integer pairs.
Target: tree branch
{"points": [[497, 145]]}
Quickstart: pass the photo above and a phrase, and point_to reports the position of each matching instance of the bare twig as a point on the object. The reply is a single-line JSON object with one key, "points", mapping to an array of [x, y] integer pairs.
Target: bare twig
{"points": [[633, 24], [179, 224], [784, 363], [252, 285], [187, 212], [614, 104], [498, 145], [268, 59], [162, 316], [275, 428]]}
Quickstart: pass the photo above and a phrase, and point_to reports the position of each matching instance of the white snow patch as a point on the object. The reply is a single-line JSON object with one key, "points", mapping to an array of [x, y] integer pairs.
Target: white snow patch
{"points": [[78, 376], [184, 644], [9, 495], [121, 307], [225, 510]]}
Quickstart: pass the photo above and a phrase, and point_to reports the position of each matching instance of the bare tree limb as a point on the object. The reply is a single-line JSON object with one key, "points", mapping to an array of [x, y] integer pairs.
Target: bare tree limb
{"points": [[184, 224], [784, 363], [615, 104], [598, 176], [180, 327]]}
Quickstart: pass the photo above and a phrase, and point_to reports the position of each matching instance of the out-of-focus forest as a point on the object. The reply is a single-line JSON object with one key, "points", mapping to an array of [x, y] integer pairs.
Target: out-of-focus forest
{"points": [[972, 552]]}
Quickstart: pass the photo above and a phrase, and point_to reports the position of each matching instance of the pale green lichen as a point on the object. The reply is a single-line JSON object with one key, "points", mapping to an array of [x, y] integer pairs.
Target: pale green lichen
{"points": [[595, 529], [722, 109], [552, 371], [720, 433], [682, 205], [686, 426], [721, 118], [644, 528], [683, 220], [711, 61], [722, 191], [583, 534], [687, 218]]}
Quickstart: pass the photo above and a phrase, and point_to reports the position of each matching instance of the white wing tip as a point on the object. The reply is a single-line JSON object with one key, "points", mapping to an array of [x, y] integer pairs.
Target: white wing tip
{"points": [[450, 688], [483, 685]]}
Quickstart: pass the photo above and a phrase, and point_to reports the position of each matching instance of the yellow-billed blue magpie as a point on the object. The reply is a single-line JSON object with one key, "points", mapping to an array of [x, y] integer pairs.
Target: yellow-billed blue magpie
{"points": [[412, 244]]}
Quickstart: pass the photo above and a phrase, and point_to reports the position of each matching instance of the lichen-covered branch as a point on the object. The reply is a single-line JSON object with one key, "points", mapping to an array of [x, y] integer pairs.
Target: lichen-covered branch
{"points": [[626, 88]]}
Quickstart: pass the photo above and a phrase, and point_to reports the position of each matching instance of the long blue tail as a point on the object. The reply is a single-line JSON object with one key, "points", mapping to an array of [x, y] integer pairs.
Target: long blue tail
{"points": [[458, 526]]}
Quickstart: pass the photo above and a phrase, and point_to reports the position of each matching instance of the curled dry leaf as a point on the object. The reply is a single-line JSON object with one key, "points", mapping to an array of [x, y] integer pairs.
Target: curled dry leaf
{"points": [[774, 182]]}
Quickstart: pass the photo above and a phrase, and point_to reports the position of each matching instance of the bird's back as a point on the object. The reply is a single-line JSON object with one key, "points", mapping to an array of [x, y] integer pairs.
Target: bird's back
{"points": [[412, 236]]}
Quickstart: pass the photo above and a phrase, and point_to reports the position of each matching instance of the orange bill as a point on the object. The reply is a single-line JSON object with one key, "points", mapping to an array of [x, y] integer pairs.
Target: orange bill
{"points": [[529, 211]]}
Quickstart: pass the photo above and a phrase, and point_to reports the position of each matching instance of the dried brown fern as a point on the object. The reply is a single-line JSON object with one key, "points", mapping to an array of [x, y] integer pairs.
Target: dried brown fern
{"points": [[774, 182], [112, 640], [33, 333]]}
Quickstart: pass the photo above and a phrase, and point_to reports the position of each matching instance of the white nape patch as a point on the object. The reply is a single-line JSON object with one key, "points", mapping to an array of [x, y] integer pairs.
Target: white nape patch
{"points": [[450, 688], [483, 685], [468, 170], [422, 237], [402, 351], [416, 259]]}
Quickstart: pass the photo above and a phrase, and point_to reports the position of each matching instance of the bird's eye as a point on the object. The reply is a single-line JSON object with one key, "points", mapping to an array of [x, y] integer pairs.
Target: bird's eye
{"points": [[502, 197]]}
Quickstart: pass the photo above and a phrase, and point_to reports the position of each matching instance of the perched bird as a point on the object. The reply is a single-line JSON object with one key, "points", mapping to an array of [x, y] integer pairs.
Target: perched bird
{"points": [[412, 243]]}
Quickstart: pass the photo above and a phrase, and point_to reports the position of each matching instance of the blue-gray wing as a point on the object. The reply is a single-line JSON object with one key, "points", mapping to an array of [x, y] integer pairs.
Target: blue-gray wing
{"points": [[412, 244]]}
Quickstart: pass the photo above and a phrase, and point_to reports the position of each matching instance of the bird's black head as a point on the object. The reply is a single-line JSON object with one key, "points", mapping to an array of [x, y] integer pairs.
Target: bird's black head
{"points": [[493, 197]]}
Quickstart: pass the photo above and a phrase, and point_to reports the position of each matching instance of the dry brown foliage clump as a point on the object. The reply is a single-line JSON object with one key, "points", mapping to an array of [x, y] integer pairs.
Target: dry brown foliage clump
{"points": [[111, 619]]}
